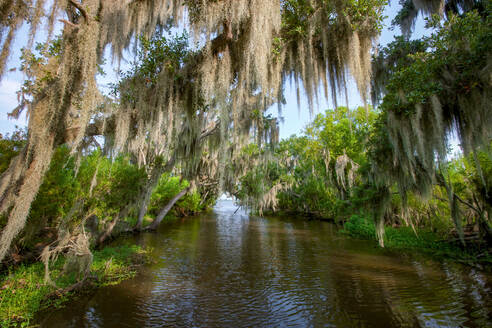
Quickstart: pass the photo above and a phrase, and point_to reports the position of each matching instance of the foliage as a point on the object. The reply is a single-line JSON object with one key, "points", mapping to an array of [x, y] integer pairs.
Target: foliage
{"points": [[118, 185], [174, 92], [359, 226], [10, 146], [23, 291], [58, 192], [69, 193], [439, 87], [191, 110], [76, 188], [154, 56], [405, 239], [343, 131], [318, 185], [310, 167], [168, 187], [462, 43], [390, 59]]}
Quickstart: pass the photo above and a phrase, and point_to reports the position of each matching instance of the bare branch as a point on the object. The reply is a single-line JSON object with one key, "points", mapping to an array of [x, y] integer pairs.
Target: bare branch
{"points": [[210, 129], [77, 5], [69, 23], [461, 201]]}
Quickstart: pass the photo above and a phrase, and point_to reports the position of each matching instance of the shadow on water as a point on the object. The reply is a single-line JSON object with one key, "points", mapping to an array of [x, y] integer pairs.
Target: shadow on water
{"points": [[231, 270]]}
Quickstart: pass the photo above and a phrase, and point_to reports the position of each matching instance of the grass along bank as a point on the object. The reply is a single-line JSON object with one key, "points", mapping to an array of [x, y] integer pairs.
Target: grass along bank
{"points": [[23, 291], [424, 241]]}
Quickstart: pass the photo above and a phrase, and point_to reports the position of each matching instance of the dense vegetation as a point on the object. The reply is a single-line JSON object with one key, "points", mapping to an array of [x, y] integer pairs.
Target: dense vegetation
{"points": [[393, 165], [96, 196], [326, 173], [188, 121], [97, 192], [24, 291]]}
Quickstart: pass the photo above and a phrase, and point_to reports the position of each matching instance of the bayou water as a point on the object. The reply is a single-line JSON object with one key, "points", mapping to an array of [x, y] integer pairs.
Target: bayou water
{"points": [[226, 269]]}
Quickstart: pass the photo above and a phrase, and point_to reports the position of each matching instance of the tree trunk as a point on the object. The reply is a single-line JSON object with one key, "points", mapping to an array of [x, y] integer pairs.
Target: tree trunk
{"points": [[155, 174], [109, 230], [166, 209], [143, 206], [484, 227]]}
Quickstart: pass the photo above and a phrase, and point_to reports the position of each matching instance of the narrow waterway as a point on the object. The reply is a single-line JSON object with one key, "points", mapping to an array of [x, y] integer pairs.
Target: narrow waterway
{"points": [[234, 270]]}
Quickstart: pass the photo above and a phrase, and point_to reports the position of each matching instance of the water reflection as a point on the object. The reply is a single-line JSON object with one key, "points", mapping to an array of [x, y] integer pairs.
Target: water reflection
{"points": [[226, 270]]}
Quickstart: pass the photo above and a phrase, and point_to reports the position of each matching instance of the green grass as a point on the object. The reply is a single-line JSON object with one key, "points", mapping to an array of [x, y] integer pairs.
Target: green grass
{"points": [[23, 291], [405, 239]]}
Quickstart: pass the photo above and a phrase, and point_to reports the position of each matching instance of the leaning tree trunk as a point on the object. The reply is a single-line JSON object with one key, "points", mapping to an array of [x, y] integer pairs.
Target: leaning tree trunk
{"points": [[166, 209], [155, 174], [109, 229]]}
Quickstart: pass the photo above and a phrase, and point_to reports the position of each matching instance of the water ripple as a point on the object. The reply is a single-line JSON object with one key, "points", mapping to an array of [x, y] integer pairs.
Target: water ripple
{"points": [[225, 270]]}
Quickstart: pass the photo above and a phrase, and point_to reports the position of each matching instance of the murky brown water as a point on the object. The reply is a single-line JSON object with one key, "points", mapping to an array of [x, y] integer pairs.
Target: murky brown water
{"points": [[225, 270]]}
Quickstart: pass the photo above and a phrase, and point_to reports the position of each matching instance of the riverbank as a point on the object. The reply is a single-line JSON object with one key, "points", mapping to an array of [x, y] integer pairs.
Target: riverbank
{"points": [[425, 242], [404, 239], [23, 291], [227, 268]]}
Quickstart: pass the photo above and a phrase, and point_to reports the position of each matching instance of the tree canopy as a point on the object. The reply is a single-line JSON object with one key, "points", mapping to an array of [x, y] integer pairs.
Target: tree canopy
{"points": [[193, 102]]}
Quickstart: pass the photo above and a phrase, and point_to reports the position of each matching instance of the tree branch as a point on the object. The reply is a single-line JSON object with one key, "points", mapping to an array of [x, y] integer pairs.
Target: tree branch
{"points": [[77, 5], [461, 201], [69, 23], [210, 129]]}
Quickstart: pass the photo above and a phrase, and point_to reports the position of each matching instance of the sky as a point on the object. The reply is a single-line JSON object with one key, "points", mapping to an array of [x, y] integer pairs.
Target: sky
{"points": [[295, 117]]}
